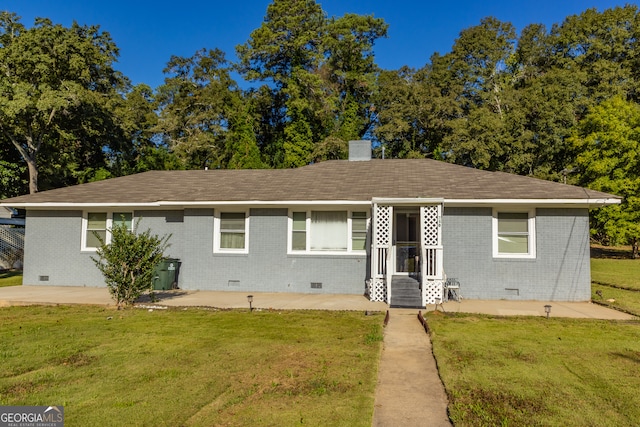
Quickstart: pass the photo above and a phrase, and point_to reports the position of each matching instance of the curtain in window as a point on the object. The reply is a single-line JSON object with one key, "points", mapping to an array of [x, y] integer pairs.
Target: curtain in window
{"points": [[232, 230], [329, 230]]}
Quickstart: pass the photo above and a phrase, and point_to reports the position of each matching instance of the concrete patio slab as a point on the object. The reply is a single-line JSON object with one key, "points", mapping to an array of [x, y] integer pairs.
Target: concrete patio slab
{"points": [[28, 295], [583, 310]]}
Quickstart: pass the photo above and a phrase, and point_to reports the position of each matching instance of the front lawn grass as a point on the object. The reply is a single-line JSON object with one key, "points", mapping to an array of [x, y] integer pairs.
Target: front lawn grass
{"points": [[191, 367], [623, 273], [616, 279], [10, 278], [616, 298], [538, 372]]}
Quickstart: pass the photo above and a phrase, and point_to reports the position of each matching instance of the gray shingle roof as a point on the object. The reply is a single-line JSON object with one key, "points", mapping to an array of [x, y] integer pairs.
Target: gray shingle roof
{"points": [[326, 181]]}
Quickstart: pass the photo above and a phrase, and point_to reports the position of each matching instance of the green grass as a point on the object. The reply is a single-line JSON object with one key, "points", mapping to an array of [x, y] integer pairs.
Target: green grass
{"points": [[547, 372], [10, 278], [538, 372], [616, 282], [191, 367], [618, 272], [616, 298]]}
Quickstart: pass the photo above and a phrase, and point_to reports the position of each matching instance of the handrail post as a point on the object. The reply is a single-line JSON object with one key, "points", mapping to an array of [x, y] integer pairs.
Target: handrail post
{"points": [[387, 279], [423, 274]]}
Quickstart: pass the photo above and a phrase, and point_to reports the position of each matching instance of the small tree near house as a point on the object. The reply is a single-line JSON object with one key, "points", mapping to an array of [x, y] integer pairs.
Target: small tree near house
{"points": [[128, 262]]}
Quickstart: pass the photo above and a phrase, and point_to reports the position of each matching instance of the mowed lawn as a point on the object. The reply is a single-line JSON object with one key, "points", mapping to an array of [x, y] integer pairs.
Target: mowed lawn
{"points": [[276, 368], [616, 279], [532, 371], [624, 273], [191, 367], [527, 371]]}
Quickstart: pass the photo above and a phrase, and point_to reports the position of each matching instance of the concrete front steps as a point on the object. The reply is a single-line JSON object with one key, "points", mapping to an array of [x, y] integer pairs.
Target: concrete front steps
{"points": [[405, 292]]}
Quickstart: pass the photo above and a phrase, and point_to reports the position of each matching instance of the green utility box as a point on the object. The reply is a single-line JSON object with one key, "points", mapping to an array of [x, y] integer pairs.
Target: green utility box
{"points": [[165, 276]]}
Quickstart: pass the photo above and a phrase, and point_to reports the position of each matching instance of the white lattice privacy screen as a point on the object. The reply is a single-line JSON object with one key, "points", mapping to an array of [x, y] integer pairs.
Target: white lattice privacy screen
{"points": [[431, 253], [11, 246], [381, 250]]}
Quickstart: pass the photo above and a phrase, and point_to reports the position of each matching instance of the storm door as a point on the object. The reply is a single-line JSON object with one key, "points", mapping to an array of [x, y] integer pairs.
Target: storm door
{"points": [[406, 240]]}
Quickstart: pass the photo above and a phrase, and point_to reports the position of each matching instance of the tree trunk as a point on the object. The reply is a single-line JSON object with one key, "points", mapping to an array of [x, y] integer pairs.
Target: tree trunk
{"points": [[33, 174], [634, 248], [29, 154]]}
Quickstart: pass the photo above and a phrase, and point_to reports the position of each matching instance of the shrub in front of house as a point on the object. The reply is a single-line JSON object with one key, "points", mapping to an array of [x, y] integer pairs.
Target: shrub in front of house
{"points": [[128, 261]]}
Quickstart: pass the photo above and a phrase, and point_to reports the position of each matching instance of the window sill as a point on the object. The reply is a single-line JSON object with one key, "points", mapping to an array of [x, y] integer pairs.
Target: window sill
{"points": [[327, 253], [230, 252], [514, 257]]}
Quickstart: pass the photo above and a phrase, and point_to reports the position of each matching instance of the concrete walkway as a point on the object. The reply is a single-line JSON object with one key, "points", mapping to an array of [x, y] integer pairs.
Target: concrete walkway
{"points": [[409, 391]]}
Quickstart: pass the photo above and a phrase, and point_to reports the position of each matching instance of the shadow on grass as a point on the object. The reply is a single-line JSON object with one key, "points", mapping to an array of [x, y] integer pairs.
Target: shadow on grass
{"points": [[10, 278], [610, 252], [5, 274]]}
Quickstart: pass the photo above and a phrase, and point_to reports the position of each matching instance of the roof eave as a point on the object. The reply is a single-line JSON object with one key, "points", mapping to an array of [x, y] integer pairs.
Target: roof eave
{"points": [[589, 203]]}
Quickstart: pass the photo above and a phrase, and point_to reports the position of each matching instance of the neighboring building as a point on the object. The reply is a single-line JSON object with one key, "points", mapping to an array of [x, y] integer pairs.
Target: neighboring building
{"points": [[9, 216], [5, 212], [11, 238], [340, 227]]}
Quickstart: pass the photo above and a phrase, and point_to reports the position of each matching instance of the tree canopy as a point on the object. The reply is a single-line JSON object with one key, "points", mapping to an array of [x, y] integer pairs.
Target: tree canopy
{"points": [[607, 143], [555, 103], [57, 89]]}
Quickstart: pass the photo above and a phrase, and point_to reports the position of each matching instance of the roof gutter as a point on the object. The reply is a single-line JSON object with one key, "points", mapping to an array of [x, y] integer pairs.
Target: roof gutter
{"points": [[537, 202], [378, 200]]}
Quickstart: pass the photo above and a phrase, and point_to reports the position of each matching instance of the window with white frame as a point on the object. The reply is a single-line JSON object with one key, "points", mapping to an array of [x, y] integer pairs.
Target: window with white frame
{"points": [[97, 226], [514, 234], [299, 231], [232, 232], [358, 231], [328, 231]]}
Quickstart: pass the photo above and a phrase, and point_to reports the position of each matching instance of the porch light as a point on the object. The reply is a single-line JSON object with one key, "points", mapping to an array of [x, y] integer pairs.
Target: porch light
{"points": [[250, 299], [547, 309]]}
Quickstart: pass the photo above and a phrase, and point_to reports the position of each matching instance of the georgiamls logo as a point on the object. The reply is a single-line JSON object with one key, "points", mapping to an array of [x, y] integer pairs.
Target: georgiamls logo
{"points": [[53, 408], [32, 416]]}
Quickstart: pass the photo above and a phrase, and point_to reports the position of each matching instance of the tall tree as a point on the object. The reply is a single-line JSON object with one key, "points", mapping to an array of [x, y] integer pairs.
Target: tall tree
{"points": [[58, 85], [480, 137], [544, 108], [286, 51], [242, 146], [195, 105], [411, 112], [350, 73], [608, 145], [323, 72], [601, 47], [267, 107]]}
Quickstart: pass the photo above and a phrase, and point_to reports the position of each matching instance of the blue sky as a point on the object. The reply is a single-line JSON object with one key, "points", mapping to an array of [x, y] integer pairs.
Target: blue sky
{"points": [[149, 32]]}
